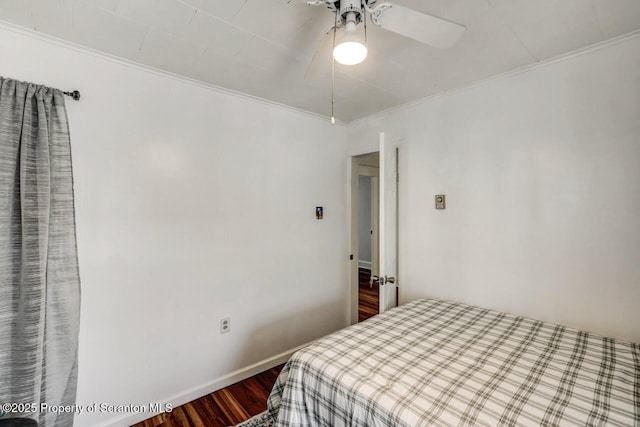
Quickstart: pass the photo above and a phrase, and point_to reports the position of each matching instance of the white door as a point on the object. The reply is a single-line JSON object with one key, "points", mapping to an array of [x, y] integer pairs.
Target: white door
{"points": [[388, 223]]}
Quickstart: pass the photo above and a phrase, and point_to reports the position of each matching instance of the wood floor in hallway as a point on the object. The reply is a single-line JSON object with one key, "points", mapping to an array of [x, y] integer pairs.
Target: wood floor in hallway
{"points": [[368, 296]]}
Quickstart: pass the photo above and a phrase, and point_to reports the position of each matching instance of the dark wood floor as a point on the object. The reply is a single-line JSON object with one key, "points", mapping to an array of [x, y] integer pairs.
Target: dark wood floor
{"points": [[242, 400], [225, 407], [368, 296]]}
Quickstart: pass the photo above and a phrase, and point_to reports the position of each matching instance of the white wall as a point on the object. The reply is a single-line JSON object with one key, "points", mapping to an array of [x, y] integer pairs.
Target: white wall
{"points": [[542, 175], [192, 205]]}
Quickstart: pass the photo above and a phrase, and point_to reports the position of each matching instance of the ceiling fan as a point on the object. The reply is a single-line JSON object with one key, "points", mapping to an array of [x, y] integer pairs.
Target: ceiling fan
{"points": [[348, 39]]}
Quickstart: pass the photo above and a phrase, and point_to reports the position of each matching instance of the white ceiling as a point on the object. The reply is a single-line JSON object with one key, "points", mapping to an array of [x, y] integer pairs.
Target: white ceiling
{"points": [[262, 47]]}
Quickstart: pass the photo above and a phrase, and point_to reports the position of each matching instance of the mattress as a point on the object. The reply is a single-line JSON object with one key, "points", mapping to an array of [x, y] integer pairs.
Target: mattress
{"points": [[441, 363]]}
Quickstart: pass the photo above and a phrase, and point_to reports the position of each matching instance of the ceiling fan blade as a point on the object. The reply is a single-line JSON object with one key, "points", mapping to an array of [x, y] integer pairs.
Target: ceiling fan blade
{"points": [[321, 63], [421, 27]]}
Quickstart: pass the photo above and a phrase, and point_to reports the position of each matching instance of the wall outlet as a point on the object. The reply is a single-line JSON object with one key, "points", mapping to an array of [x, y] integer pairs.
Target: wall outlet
{"points": [[225, 325]]}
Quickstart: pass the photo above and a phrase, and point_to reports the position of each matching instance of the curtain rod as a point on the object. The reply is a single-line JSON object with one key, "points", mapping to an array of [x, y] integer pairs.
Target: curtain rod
{"points": [[73, 94]]}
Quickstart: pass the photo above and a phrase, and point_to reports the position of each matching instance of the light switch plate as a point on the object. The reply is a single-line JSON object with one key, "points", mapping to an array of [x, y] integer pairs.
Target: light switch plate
{"points": [[440, 201]]}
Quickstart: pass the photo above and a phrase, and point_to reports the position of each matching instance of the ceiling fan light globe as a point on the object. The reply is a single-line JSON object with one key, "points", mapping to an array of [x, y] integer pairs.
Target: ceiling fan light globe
{"points": [[350, 53]]}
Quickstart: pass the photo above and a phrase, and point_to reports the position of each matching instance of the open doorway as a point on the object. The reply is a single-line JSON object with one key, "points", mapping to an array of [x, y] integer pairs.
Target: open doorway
{"points": [[365, 234]]}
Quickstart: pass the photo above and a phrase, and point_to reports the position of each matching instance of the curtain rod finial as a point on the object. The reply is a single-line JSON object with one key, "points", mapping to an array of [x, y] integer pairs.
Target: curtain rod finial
{"points": [[74, 94]]}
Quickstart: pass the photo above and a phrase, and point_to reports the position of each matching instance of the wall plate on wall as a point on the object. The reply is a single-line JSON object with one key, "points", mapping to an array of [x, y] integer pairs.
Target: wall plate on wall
{"points": [[440, 201]]}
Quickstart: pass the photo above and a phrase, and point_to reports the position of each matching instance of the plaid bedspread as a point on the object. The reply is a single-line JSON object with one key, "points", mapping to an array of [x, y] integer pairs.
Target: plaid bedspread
{"points": [[440, 363]]}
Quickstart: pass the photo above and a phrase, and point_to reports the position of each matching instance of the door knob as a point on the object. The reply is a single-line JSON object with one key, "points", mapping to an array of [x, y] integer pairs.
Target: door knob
{"points": [[381, 280], [374, 279]]}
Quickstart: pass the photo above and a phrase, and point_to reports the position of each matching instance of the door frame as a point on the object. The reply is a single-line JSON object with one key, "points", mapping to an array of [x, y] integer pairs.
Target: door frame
{"points": [[370, 145], [355, 171]]}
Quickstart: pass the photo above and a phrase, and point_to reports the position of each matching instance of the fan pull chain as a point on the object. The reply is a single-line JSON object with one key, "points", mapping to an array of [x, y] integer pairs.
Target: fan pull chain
{"points": [[333, 84], [333, 71], [364, 20]]}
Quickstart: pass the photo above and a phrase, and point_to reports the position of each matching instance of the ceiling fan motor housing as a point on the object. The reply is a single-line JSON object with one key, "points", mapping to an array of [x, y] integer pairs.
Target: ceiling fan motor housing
{"points": [[351, 10]]}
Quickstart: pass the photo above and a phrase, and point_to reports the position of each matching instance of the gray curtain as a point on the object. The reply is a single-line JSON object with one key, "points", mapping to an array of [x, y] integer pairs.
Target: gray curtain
{"points": [[39, 280]]}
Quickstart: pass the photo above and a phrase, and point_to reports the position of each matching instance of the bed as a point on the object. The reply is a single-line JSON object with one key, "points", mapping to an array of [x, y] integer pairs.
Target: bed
{"points": [[441, 363]]}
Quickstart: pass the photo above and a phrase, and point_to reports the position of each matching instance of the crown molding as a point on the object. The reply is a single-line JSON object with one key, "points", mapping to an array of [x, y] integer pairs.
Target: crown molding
{"points": [[507, 74], [141, 67]]}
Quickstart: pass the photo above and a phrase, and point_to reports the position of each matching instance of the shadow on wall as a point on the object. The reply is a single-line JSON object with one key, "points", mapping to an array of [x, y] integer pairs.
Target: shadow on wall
{"points": [[285, 333]]}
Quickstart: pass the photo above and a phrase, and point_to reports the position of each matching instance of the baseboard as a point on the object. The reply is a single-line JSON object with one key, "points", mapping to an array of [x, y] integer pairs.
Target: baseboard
{"points": [[206, 388], [364, 264]]}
